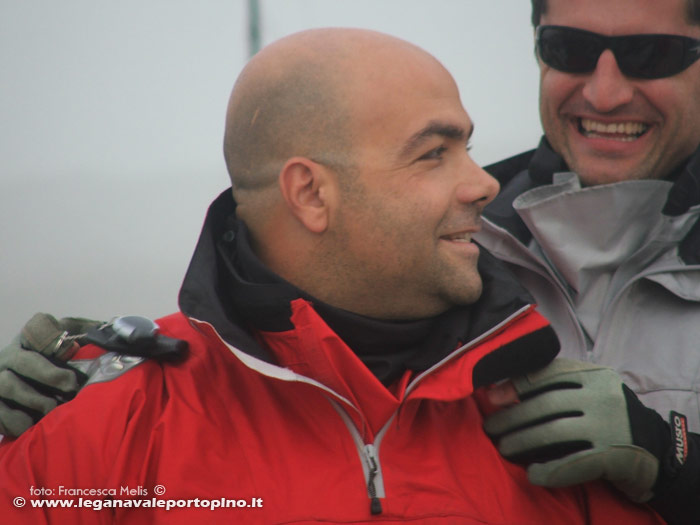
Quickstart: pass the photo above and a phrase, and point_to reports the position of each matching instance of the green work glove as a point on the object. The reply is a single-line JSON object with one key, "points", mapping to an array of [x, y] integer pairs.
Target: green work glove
{"points": [[34, 375], [577, 422]]}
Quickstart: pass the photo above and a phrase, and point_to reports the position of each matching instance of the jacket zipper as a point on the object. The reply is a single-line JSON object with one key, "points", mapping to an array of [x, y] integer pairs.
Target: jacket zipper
{"points": [[375, 506], [369, 455]]}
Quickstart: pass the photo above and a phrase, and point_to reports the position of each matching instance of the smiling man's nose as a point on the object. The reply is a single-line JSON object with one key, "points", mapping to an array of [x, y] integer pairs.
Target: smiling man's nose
{"points": [[607, 88]]}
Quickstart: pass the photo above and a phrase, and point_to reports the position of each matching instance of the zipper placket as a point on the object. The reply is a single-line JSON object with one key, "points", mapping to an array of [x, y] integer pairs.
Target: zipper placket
{"points": [[369, 457], [375, 506]]}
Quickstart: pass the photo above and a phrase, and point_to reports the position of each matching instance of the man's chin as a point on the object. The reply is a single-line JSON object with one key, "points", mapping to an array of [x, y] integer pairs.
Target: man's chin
{"points": [[595, 170], [468, 293]]}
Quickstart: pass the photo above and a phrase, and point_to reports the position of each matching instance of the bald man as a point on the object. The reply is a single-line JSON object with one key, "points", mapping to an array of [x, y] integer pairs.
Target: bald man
{"points": [[340, 324]]}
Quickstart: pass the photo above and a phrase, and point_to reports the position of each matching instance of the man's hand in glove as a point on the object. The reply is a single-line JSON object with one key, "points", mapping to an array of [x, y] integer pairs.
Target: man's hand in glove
{"points": [[577, 422], [34, 375]]}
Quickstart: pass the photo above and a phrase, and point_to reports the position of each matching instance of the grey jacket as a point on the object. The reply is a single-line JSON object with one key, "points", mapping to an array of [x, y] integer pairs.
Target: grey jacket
{"points": [[616, 269]]}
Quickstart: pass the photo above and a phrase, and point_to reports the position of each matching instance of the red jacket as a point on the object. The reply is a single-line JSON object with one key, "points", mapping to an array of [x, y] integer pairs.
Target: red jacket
{"points": [[307, 436], [226, 425]]}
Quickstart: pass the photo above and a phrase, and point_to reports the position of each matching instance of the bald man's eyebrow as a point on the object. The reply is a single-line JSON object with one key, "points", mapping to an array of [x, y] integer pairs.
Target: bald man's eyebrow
{"points": [[440, 129]]}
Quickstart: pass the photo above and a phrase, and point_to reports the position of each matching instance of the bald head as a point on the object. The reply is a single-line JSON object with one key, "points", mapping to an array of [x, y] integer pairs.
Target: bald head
{"points": [[347, 153], [299, 97], [286, 102]]}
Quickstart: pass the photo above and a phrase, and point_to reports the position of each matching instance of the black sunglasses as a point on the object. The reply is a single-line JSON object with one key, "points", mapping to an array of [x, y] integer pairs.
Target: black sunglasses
{"points": [[574, 50]]}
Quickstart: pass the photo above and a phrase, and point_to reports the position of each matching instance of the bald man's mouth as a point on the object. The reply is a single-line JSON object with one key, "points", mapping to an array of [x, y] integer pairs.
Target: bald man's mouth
{"points": [[461, 243], [458, 237]]}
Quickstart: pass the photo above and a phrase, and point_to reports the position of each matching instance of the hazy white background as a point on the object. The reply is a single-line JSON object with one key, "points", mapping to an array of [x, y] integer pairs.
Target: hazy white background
{"points": [[111, 119]]}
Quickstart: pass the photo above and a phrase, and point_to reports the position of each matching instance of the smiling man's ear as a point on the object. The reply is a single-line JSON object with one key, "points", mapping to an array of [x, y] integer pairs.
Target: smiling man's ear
{"points": [[309, 190]]}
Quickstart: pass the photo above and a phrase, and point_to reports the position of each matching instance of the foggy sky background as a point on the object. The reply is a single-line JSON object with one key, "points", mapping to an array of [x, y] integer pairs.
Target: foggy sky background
{"points": [[111, 122]]}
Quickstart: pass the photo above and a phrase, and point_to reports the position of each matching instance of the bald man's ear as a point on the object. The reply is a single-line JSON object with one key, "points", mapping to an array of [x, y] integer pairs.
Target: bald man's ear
{"points": [[307, 187]]}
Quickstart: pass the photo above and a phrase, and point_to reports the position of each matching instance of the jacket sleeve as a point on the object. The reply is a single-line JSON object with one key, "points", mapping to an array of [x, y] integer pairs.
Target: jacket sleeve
{"points": [[679, 504], [81, 445]]}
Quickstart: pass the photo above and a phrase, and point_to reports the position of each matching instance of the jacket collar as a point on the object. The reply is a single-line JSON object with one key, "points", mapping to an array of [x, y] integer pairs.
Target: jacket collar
{"points": [[537, 168], [204, 293], [594, 236]]}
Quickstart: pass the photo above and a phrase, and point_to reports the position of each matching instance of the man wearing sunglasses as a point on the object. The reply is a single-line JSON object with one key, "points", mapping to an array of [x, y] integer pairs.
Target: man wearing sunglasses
{"points": [[600, 224]]}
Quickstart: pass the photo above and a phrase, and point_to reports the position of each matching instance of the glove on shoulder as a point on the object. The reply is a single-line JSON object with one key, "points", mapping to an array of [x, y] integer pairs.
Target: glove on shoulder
{"points": [[34, 377], [578, 422]]}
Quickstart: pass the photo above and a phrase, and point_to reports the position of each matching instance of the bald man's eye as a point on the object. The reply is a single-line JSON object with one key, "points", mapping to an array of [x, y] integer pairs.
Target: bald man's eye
{"points": [[433, 154]]}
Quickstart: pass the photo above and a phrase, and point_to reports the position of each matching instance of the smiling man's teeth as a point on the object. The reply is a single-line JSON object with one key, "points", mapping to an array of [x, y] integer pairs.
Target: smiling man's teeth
{"points": [[459, 237], [625, 131]]}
